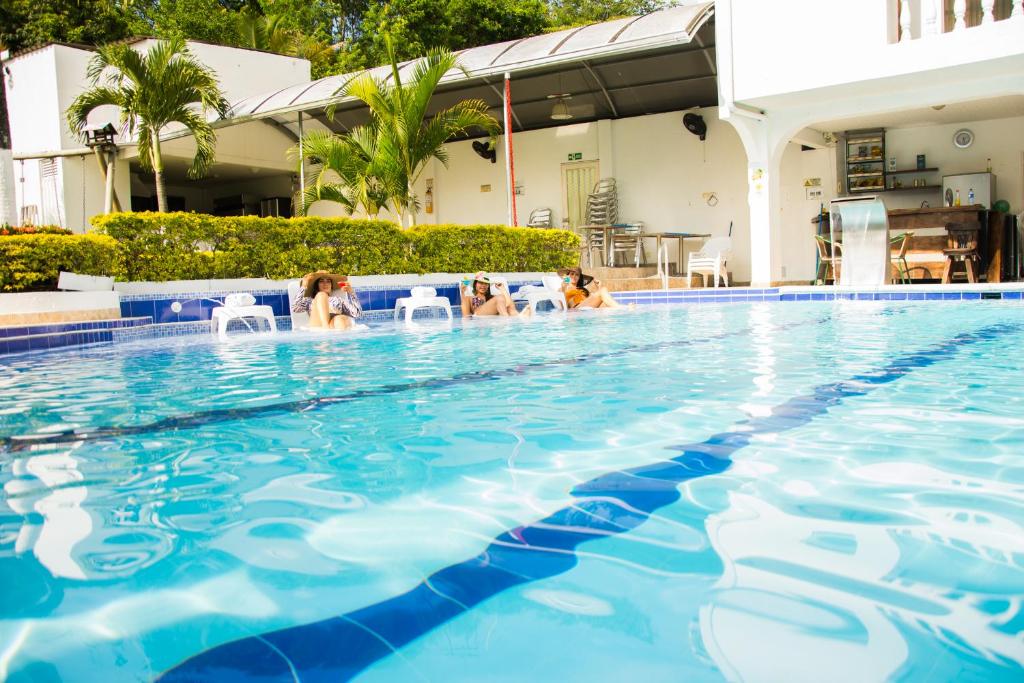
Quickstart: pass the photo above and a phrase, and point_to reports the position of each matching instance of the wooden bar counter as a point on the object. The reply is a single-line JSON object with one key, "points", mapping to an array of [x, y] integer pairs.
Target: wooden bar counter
{"points": [[928, 224]]}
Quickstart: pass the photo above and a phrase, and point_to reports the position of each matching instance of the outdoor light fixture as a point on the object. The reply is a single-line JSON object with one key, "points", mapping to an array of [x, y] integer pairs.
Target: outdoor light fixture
{"points": [[560, 112], [100, 136]]}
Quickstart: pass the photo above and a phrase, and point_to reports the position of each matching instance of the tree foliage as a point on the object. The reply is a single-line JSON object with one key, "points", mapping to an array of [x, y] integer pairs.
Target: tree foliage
{"points": [[379, 163], [336, 35], [153, 90]]}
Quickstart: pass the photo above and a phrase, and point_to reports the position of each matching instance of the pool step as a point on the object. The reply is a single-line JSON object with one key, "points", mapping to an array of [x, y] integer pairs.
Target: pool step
{"points": [[15, 339]]}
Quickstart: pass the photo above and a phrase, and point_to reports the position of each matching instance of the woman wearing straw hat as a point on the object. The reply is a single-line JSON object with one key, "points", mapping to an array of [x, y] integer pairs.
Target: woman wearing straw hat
{"points": [[327, 310], [478, 300], [577, 288]]}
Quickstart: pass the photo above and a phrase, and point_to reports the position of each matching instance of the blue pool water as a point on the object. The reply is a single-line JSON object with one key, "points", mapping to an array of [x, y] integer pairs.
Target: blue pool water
{"points": [[763, 492]]}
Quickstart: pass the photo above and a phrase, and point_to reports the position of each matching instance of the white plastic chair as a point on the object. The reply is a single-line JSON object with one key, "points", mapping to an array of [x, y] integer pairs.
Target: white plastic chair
{"points": [[300, 321], [711, 259], [422, 297], [237, 307], [550, 290]]}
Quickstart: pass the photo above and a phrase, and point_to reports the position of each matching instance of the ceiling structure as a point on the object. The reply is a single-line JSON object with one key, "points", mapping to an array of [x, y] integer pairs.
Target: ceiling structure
{"points": [[663, 61]]}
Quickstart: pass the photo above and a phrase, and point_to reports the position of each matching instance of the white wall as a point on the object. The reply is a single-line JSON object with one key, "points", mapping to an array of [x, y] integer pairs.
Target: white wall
{"points": [[803, 45], [1001, 140], [242, 72], [793, 243]]}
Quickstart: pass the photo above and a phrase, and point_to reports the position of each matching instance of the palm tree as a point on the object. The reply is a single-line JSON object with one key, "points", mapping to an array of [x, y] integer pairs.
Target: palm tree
{"points": [[153, 90], [349, 171], [405, 137]]}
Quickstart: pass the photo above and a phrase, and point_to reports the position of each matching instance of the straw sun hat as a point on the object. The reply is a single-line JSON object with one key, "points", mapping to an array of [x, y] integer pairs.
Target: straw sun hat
{"points": [[310, 280]]}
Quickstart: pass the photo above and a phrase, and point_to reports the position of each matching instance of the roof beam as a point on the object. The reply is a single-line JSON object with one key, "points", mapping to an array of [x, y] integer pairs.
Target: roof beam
{"points": [[600, 84], [282, 128], [501, 97]]}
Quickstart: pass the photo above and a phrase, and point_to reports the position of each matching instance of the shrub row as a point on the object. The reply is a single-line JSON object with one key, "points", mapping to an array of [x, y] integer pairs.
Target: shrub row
{"points": [[190, 246], [33, 262]]}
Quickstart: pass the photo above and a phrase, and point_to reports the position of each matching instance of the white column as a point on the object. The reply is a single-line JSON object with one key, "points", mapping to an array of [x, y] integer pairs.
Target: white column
{"points": [[931, 14], [905, 21], [8, 200], [763, 193], [960, 14], [1018, 9], [987, 16]]}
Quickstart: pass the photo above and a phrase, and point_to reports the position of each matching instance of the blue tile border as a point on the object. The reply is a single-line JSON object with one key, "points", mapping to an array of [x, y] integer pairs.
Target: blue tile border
{"points": [[154, 310]]}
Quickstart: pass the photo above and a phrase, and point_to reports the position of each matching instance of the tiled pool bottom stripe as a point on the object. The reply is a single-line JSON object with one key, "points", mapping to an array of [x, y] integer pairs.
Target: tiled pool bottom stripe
{"points": [[218, 415], [341, 647]]}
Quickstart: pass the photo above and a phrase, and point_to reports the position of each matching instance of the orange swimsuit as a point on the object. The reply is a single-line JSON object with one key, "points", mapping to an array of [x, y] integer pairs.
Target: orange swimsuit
{"points": [[574, 297]]}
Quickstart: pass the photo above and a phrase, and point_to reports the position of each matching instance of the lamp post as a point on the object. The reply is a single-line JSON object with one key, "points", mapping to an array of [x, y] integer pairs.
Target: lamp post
{"points": [[101, 140]]}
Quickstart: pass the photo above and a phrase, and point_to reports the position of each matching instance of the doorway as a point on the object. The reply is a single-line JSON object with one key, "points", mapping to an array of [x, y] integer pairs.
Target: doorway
{"points": [[578, 179]]}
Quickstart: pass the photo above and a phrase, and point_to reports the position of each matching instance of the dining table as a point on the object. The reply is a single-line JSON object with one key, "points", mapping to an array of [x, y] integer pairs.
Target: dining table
{"points": [[680, 237]]}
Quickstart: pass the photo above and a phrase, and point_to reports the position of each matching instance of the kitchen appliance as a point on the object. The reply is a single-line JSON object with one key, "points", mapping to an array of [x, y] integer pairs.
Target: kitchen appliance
{"points": [[983, 184]]}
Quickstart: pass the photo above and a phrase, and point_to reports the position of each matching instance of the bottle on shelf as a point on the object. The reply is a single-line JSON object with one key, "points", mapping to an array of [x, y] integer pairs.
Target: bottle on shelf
{"points": [[956, 202], [988, 165], [970, 197]]}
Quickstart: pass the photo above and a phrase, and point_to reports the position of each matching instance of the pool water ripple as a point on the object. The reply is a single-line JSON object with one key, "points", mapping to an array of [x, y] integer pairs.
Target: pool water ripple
{"points": [[860, 538]]}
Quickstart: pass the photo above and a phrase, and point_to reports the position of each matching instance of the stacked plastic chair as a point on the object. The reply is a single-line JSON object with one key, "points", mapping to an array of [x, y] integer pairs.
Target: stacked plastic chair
{"points": [[602, 209]]}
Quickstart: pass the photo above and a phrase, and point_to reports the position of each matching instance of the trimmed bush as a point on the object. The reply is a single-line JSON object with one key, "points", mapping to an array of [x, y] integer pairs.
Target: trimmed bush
{"points": [[33, 262], [496, 248], [190, 246]]}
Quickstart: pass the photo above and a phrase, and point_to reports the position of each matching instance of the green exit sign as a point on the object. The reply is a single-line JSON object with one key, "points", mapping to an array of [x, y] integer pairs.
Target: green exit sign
{"points": [[575, 156]]}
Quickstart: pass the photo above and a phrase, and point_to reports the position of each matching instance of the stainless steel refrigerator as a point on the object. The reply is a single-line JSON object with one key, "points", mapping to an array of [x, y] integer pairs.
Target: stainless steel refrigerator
{"points": [[983, 185]]}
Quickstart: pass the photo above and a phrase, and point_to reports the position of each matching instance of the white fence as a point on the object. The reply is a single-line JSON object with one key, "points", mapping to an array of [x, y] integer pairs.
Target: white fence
{"points": [[922, 18]]}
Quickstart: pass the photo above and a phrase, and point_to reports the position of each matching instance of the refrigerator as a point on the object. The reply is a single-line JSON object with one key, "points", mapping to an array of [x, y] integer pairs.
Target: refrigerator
{"points": [[983, 184]]}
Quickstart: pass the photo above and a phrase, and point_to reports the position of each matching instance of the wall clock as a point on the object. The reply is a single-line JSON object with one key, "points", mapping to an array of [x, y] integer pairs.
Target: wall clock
{"points": [[963, 138]]}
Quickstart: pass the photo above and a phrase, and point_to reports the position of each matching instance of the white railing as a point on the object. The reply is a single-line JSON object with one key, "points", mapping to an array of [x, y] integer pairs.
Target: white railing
{"points": [[923, 18]]}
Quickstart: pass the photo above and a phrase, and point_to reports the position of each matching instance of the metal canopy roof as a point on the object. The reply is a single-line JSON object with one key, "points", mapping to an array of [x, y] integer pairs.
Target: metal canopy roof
{"points": [[663, 61]]}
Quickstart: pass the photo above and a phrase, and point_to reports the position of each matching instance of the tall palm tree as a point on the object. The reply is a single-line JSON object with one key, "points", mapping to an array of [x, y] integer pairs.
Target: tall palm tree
{"points": [[264, 31], [406, 137], [348, 170], [153, 90]]}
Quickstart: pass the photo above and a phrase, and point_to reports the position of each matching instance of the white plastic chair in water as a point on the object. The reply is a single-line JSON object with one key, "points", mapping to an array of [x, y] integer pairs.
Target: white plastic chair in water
{"points": [[237, 307], [712, 260], [300, 321], [550, 290], [422, 297]]}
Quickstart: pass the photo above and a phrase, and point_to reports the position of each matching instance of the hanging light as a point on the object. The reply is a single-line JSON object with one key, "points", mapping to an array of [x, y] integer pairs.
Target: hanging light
{"points": [[560, 112]]}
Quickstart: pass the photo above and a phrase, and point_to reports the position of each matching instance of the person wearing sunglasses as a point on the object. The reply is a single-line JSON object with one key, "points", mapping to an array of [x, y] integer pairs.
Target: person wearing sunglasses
{"points": [[329, 300], [583, 291], [477, 299]]}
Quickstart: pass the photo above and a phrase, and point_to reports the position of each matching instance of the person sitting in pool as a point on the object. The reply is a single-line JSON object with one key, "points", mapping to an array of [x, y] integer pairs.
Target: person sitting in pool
{"points": [[328, 309], [578, 287], [478, 300]]}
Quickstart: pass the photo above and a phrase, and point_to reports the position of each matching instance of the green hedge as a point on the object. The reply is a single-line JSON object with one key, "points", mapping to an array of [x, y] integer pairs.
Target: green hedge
{"points": [[33, 262], [190, 246], [497, 248]]}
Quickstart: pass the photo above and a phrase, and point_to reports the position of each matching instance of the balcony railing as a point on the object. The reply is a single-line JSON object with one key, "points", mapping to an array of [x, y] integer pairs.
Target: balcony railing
{"points": [[923, 18]]}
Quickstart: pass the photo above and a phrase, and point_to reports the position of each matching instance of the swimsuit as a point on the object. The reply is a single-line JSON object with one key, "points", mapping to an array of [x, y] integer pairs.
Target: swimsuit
{"points": [[575, 296], [476, 302], [339, 305]]}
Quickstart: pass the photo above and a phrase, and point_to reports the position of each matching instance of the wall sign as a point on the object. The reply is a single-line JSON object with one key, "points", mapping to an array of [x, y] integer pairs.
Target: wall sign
{"points": [[575, 156]]}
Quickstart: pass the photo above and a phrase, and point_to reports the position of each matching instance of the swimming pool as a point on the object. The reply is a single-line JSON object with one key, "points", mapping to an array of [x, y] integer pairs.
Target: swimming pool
{"points": [[801, 491]]}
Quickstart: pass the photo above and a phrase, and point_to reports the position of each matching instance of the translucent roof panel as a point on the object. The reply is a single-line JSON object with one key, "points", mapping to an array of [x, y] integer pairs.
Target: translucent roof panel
{"points": [[664, 29]]}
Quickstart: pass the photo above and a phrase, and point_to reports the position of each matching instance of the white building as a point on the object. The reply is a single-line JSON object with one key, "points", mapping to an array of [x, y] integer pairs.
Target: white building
{"points": [[777, 83]]}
